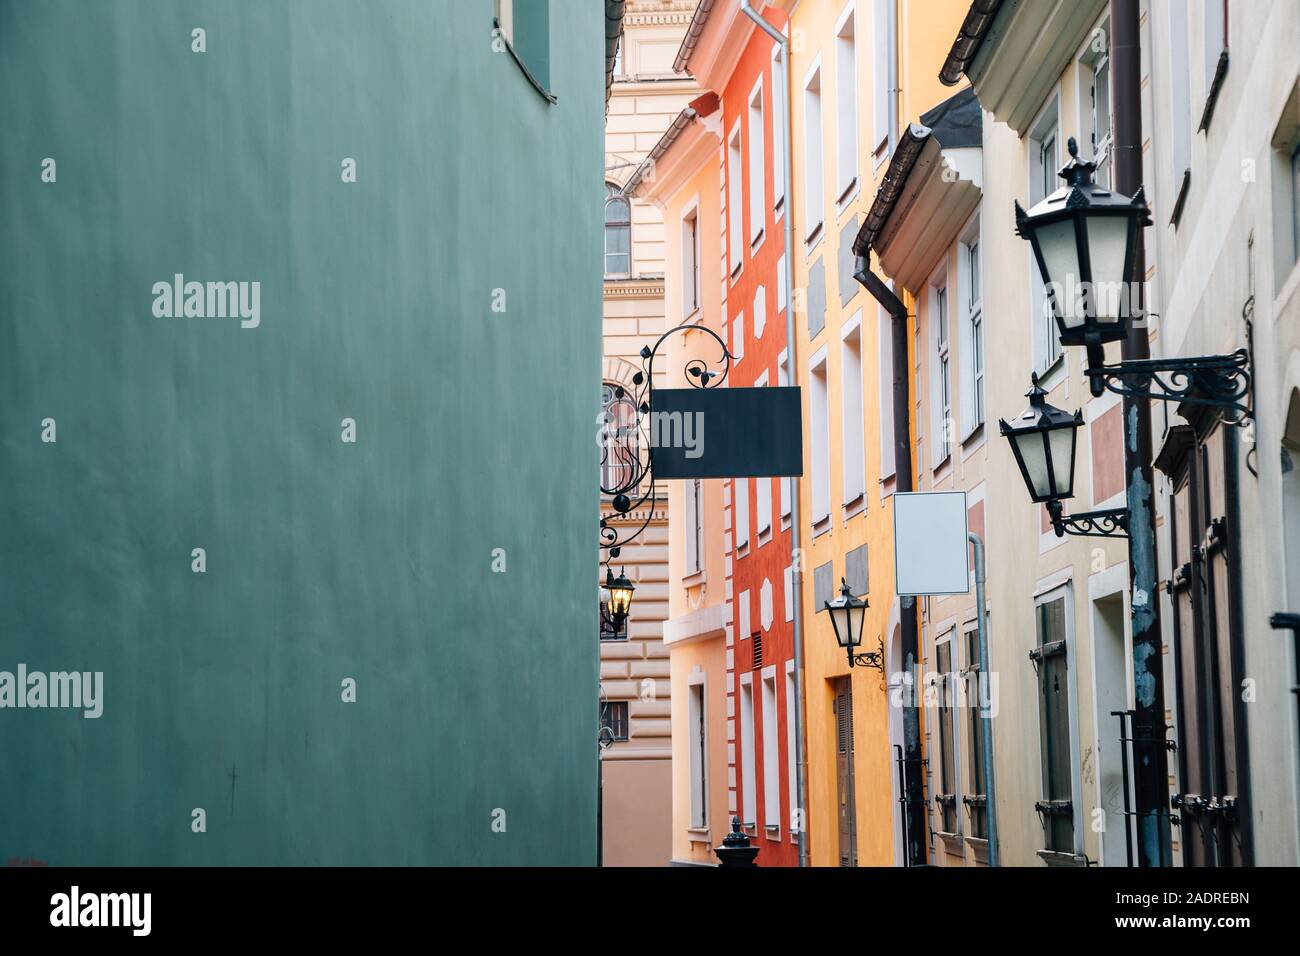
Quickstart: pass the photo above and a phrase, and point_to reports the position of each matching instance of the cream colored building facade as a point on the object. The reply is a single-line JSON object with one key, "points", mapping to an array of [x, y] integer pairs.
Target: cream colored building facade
{"points": [[635, 689]]}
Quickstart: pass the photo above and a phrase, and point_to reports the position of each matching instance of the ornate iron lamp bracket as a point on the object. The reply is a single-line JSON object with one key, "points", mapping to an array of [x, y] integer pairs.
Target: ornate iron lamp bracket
{"points": [[1111, 523], [874, 658], [1214, 381]]}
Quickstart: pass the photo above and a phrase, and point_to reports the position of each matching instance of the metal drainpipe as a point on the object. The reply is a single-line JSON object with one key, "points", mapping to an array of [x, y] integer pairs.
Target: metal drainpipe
{"points": [[913, 798], [796, 572], [1150, 759]]}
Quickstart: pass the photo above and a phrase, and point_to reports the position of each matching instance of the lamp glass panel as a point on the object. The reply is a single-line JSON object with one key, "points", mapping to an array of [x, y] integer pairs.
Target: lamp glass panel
{"points": [[839, 617], [1061, 256], [1062, 443], [1107, 248], [1033, 455]]}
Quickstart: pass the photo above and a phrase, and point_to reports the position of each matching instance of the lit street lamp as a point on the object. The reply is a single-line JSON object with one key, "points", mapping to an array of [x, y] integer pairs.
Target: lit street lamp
{"points": [[847, 616], [616, 595]]}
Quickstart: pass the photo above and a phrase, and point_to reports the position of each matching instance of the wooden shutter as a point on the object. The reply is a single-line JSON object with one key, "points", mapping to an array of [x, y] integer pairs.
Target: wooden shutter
{"points": [[844, 771]]}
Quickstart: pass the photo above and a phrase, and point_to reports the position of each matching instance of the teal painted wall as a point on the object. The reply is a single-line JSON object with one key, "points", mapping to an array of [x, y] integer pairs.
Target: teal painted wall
{"points": [[475, 430]]}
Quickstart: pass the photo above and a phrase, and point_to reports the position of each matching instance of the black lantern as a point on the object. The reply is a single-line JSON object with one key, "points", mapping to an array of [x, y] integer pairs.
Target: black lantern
{"points": [[1085, 239], [618, 596], [1043, 441], [847, 616]]}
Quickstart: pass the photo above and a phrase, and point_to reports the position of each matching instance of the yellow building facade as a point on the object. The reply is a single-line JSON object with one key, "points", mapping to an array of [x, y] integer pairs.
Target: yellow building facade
{"points": [[859, 72]]}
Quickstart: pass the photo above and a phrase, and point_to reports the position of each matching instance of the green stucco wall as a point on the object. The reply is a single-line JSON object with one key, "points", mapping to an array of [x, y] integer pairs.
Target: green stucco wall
{"points": [[325, 560]]}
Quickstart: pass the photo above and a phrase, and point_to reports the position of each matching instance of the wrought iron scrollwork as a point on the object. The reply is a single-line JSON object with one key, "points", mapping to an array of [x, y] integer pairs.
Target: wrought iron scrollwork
{"points": [[1112, 523], [1215, 381], [627, 467]]}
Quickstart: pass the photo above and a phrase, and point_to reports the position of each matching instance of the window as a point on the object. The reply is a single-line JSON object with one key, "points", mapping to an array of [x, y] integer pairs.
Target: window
{"points": [[738, 337], [885, 374], [1180, 105], [1096, 64], [1216, 54], [771, 758], [792, 780], [882, 120], [943, 375], [734, 192], [971, 342], [1295, 203], [1044, 163], [976, 803], [779, 148], [526, 28], [846, 107], [1056, 809], [757, 208], [691, 263], [855, 469], [697, 724], [946, 798], [613, 719], [742, 513], [618, 232], [783, 380], [760, 312], [813, 197], [620, 450], [821, 456], [748, 776], [694, 526]]}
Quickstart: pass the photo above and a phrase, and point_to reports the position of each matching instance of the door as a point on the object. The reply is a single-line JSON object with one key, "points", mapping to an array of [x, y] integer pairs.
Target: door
{"points": [[1206, 591], [844, 771]]}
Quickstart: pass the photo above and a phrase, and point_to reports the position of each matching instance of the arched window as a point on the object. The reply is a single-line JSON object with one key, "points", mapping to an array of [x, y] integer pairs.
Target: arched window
{"points": [[620, 450], [618, 232]]}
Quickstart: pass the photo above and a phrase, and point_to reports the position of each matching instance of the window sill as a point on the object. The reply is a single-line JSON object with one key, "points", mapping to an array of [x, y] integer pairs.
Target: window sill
{"points": [[814, 236], [764, 536], [1212, 98], [756, 243], [953, 842], [1184, 188], [742, 550], [856, 506], [778, 210], [847, 195], [1051, 375], [736, 270], [1053, 858], [979, 848], [773, 832], [974, 438], [785, 522], [699, 835], [821, 526], [694, 579], [523, 67]]}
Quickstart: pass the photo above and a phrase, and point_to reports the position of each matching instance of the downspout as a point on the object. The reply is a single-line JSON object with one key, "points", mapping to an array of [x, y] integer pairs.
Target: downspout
{"points": [[913, 798], [796, 562]]}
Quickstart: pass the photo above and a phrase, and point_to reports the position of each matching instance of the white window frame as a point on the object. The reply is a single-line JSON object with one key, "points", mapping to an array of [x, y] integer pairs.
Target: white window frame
{"points": [[819, 398], [691, 291], [941, 357], [814, 189], [760, 312], [693, 492], [1095, 111], [757, 208], [740, 512], [883, 30], [1044, 143], [846, 105], [748, 774], [885, 375], [791, 769], [783, 380], [971, 344], [780, 149], [698, 747], [853, 477], [735, 199], [771, 753]]}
